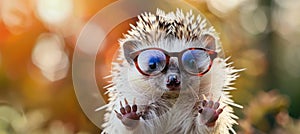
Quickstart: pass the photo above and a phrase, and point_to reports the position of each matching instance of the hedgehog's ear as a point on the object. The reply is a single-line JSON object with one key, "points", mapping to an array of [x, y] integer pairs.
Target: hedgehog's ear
{"points": [[129, 47], [209, 41]]}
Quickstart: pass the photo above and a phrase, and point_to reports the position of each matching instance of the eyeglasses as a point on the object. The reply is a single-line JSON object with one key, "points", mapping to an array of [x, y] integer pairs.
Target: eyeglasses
{"points": [[153, 61]]}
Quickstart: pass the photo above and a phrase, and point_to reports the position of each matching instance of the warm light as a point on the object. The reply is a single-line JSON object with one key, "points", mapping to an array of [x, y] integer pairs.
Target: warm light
{"points": [[54, 11], [50, 57], [15, 15], [91, 42], [0, 59], [222, 7]]}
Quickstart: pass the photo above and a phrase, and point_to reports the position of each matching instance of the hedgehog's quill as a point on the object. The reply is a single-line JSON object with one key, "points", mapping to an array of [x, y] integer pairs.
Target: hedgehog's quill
{"points": [[170, 78]]}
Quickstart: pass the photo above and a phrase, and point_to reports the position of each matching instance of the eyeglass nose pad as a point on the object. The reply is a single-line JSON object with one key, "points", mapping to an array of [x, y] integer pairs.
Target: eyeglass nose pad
{"points": [[173, 63]]}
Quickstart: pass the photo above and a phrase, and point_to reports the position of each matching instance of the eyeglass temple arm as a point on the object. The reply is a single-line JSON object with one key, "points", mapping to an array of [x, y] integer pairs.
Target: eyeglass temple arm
{"points": [[212, 54]]}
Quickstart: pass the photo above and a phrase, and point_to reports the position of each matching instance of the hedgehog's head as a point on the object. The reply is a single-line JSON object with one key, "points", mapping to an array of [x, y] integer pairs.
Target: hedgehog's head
{"points": [[168, 54]]}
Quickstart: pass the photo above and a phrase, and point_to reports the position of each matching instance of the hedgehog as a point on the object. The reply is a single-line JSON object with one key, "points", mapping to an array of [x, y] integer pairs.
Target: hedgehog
{"points": [[170, 77]]}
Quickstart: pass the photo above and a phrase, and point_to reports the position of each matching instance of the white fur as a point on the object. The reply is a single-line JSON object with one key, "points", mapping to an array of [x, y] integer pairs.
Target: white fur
{"points": [[181, 115]]}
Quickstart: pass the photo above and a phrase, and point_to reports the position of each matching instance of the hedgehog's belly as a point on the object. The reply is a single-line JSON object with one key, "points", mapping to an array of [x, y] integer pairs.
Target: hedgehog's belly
{"points": [[179, 119]]}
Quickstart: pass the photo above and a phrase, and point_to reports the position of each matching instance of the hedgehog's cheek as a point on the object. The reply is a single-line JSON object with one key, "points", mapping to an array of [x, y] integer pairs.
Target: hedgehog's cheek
{"points": [[135, 80], [191, 83]]}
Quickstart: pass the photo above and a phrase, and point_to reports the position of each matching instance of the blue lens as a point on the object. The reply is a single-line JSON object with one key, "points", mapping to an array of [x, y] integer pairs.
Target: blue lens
{"points": [[195, 61], [151, 61]]}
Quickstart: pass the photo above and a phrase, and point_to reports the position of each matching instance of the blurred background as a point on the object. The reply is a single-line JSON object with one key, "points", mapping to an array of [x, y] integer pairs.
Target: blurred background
{"points": [[38, 38]]}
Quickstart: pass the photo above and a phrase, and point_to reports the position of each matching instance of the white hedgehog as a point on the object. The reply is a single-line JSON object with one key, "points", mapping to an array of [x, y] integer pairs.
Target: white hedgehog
{"points": [[170, 78]]}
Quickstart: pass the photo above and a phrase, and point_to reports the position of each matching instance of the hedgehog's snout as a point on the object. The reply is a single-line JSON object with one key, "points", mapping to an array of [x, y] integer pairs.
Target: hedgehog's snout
{"points": [[173, 82]]}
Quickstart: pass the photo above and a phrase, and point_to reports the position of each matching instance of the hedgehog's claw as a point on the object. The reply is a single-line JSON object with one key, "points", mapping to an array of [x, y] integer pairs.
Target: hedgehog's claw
{"points": [[128, 115], [209, 111]]}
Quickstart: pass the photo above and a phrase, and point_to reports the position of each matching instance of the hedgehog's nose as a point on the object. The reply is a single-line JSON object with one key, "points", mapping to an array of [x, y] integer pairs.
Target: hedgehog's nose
{"points": [[173, 82]]}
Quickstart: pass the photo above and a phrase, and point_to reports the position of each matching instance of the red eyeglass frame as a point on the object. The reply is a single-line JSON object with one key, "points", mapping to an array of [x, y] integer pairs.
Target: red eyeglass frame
{"points": [[212, 54]]}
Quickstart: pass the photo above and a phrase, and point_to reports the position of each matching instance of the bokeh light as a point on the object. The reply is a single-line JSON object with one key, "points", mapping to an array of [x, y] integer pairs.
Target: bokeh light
{"points": [[15, 15], [285, 19], [223, 7], [254, 21], [54, 11], [50, 57], [91, 42]]}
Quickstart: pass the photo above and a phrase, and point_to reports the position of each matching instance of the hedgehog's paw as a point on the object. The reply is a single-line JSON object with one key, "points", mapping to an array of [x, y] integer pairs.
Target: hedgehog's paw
{"points": [[128, 115], [209, 112]]}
